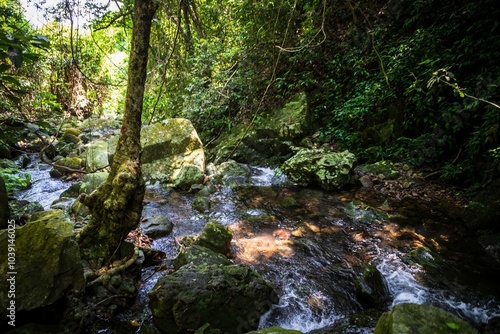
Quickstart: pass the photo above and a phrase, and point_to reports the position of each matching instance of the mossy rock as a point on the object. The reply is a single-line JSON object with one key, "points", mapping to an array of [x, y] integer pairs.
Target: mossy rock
{"points": [[320, 167], [188, 176], [411, 318], [72, 192], [73, 163], [96, 155], [48, 263], [385, 168], [167, 147], [216, 237], [200, 256], [71, 131], [231, 298]]}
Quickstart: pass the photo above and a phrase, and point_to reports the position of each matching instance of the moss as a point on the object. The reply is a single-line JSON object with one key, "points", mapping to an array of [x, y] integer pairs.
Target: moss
{"points": [[74, 163]]}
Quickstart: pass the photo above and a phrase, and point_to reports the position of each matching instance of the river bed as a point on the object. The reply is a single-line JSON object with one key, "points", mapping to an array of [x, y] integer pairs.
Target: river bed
{"points": [[312, 246]]}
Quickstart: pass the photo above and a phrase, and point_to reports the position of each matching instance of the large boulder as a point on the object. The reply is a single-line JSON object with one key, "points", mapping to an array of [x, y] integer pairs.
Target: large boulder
{"points": [[4, 205], [320, 167], [167, 147], [91, 181], [231, 298], [47, 262], [96, 155], [411, 318]]}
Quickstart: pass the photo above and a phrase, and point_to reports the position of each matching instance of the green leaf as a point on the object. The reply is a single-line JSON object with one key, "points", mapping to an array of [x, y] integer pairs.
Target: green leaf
{"points": [[453, 326], [462, 95]]}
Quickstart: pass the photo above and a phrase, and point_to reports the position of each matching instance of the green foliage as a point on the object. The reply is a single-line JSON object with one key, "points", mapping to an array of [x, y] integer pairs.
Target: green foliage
{"points": [[13, 180], [18, 46]]}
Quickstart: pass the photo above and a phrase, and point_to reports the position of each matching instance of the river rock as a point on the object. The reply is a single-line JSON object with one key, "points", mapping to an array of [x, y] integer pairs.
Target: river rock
{"points": [[372, 290], [96, 155], [167, 147], [231, 298], [216, 237], [231, 174], [157, 227], [188, 175], [411, 318], [21, 210], [47, 261], [197, 256], [69, 162], [320, 167], [4, 205], [70, 135]]}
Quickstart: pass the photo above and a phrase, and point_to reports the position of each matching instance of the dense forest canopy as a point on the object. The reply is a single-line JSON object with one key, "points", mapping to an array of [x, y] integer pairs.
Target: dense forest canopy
{"points": [[415, 81]]}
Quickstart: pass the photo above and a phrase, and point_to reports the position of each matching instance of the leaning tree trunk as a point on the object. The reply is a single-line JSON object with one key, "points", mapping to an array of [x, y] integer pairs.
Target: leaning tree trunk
{"points": [[116, 206]]}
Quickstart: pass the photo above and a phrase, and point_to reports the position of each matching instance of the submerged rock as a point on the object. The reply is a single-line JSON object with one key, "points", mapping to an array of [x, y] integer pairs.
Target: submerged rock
{"points": [[231, 298], [47, 261], [321, 167], [410, 318]]}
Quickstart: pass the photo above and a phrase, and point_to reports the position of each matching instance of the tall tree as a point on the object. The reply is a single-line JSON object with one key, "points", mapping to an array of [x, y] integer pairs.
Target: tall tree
{"points": [[116, 206]]}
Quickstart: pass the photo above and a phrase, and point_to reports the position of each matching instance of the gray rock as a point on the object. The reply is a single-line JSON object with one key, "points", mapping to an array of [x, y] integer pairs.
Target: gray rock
{"points": [[157, 227]]}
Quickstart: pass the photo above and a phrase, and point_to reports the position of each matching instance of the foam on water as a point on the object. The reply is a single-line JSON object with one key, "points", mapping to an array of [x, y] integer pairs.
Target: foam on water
{"points": [[405, 288], [44, 189], [265, 176], [301, 312]]}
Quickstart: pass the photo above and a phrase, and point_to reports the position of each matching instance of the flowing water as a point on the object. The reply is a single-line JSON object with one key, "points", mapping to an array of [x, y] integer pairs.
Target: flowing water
{"points": [[312, 246], [44, 189]]}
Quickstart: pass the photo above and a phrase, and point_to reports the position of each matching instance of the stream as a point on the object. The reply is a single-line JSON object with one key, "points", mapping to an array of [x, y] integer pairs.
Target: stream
{"points": [[312, 246]]}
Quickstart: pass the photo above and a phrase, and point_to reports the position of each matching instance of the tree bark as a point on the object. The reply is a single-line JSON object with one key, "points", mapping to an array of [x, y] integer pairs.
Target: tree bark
{"points": [[116, 206]]}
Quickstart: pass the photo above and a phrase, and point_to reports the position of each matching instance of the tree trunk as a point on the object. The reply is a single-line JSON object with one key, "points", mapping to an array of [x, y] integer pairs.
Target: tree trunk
{"points": [[116, 206]]}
